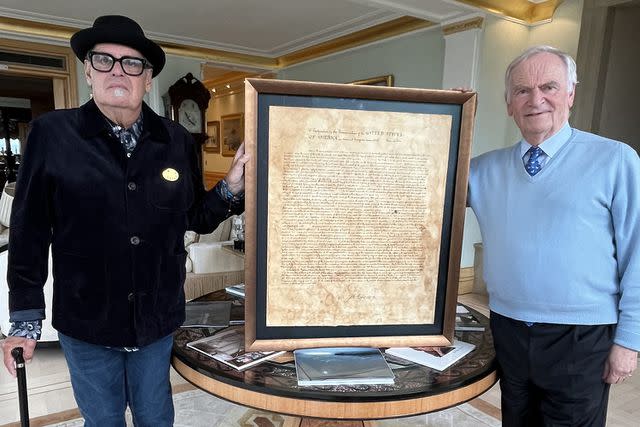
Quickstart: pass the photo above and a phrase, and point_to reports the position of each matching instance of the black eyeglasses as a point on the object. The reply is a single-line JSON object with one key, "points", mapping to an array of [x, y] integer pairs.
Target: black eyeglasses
{"points": [[104, 62]]}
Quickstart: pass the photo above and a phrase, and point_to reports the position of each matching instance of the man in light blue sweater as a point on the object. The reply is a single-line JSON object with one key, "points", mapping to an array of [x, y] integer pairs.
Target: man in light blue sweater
{"points": [[559, 214]]}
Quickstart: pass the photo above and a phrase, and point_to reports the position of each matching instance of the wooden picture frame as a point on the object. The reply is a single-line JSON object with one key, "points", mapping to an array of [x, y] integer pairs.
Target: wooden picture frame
{"points": [[386, 80], [231, 133], [321, 258], [212, 143]]}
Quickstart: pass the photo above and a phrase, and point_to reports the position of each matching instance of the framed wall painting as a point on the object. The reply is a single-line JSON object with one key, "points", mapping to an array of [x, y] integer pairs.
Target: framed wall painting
{"points": [[355, 200], [231, 131], [212, 143]]}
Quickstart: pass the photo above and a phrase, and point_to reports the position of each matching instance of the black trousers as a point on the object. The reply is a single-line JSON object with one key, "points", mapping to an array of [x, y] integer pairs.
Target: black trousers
{"points": [[551, 375]]}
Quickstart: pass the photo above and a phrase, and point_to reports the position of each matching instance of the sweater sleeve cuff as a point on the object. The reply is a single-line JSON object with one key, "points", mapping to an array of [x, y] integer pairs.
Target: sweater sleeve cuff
{"points": [[26, 315], [627, 339]]}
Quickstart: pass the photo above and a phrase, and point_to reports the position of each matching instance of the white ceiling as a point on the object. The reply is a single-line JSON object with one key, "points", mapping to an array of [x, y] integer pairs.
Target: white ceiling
{"points": [[268, 28]]}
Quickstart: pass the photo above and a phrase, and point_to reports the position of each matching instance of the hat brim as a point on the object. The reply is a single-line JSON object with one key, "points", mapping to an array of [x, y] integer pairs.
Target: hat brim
{"points": [[85, 39]]}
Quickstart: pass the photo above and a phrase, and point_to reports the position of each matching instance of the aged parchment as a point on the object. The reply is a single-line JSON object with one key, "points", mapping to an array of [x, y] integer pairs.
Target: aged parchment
{"points": [[355, 207]]}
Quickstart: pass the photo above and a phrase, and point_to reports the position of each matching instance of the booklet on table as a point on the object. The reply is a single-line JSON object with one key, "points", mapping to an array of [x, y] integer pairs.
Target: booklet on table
{"points": [[342, 365], [227, 346], [439, 358]]}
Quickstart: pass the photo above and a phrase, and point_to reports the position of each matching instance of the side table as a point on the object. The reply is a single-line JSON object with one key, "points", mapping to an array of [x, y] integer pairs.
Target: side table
{"points": [[273, 387]]}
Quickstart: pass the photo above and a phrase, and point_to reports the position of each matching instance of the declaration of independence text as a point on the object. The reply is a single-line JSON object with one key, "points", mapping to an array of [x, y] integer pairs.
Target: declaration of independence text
{"points": [[355, 206]]}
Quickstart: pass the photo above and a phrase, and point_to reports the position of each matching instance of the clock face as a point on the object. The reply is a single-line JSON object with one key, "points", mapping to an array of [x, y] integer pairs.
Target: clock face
{"points": [[189, 116]]}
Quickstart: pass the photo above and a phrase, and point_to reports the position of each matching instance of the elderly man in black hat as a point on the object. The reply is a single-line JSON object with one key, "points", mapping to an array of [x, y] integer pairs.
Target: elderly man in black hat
{"points": [[112, 187]]}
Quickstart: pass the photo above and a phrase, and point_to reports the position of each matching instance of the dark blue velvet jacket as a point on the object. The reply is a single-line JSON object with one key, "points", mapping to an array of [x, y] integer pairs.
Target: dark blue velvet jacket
{"points": [[116, 226]]}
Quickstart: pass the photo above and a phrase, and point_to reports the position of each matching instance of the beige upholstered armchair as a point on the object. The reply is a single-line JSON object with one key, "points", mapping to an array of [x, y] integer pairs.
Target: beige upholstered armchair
{"points": [[5, 211], [209, 266]]}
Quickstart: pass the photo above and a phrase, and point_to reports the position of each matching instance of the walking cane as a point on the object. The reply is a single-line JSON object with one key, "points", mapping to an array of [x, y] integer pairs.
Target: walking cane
{"points": [[22, 386]]}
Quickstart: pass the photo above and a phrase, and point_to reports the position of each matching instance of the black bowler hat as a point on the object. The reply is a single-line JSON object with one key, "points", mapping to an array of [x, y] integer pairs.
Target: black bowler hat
{"points": [[119, 30]]}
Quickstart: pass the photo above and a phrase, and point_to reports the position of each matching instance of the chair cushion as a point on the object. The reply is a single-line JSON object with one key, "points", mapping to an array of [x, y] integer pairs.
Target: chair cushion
{"points": [[189, 265], [5, 208], [220, 234], [190, 237], [211, 258]]}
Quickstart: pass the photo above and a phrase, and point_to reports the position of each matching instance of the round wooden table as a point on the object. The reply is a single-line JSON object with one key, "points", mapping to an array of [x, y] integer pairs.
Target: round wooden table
{"points": [[273, 386]]}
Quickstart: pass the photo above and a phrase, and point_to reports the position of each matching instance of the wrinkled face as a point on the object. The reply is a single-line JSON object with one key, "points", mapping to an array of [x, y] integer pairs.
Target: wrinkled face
{"points": [[540, 99], [115, 89]]}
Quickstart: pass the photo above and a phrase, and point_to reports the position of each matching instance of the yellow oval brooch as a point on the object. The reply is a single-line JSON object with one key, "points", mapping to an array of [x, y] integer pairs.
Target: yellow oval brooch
{"points": [[170, 174]]}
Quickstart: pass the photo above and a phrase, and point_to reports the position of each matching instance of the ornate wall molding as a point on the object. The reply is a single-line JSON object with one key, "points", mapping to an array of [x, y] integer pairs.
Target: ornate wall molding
{"points": [[458, 27]]}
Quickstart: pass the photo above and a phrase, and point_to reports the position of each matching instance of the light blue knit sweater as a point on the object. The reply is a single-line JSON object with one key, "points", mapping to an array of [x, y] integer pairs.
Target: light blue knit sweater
{"points": [[563, 246]]}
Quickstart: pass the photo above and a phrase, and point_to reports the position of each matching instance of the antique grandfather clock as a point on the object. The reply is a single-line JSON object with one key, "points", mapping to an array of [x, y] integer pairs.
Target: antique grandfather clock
{"points": [[189, 99]]}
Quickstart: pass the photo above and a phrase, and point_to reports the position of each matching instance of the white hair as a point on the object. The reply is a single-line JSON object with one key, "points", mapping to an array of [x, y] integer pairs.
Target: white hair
{"points": [[570, 65]]}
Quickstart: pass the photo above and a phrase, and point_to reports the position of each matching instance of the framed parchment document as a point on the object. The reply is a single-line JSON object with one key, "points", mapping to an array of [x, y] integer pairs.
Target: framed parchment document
{"points": [[355, 200]]}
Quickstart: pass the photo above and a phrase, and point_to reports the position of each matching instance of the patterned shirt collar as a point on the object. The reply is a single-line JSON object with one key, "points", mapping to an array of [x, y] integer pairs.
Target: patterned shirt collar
{"points": [[128, 137]]}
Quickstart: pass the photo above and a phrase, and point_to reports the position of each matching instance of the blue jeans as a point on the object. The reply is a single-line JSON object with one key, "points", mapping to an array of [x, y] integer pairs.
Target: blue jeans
{"points": [[105, 380]]}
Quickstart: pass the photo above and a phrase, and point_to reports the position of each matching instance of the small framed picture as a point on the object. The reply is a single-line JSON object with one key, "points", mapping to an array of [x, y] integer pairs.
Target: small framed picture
{"points": [[386, 80], [212, 143], [232, 131]]}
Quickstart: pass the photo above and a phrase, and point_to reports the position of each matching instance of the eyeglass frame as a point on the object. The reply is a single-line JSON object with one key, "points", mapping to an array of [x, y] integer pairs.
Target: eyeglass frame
{"points": [[145, 64]]}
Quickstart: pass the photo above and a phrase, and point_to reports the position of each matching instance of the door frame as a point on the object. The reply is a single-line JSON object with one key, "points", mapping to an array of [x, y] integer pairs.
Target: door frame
{"points": [[65, 80]]}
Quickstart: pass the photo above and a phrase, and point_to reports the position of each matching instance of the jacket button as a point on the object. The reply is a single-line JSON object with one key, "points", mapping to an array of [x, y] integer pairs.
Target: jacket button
{"points": [[130, 297], [132, 186], [135, 240]]}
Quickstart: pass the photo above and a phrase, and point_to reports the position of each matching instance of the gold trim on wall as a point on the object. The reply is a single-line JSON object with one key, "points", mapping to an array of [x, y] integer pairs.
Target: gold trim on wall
{"points": [[382, 31], [31, 28], [220, 56], [230, 77], [522, 11], [461, 26]]}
